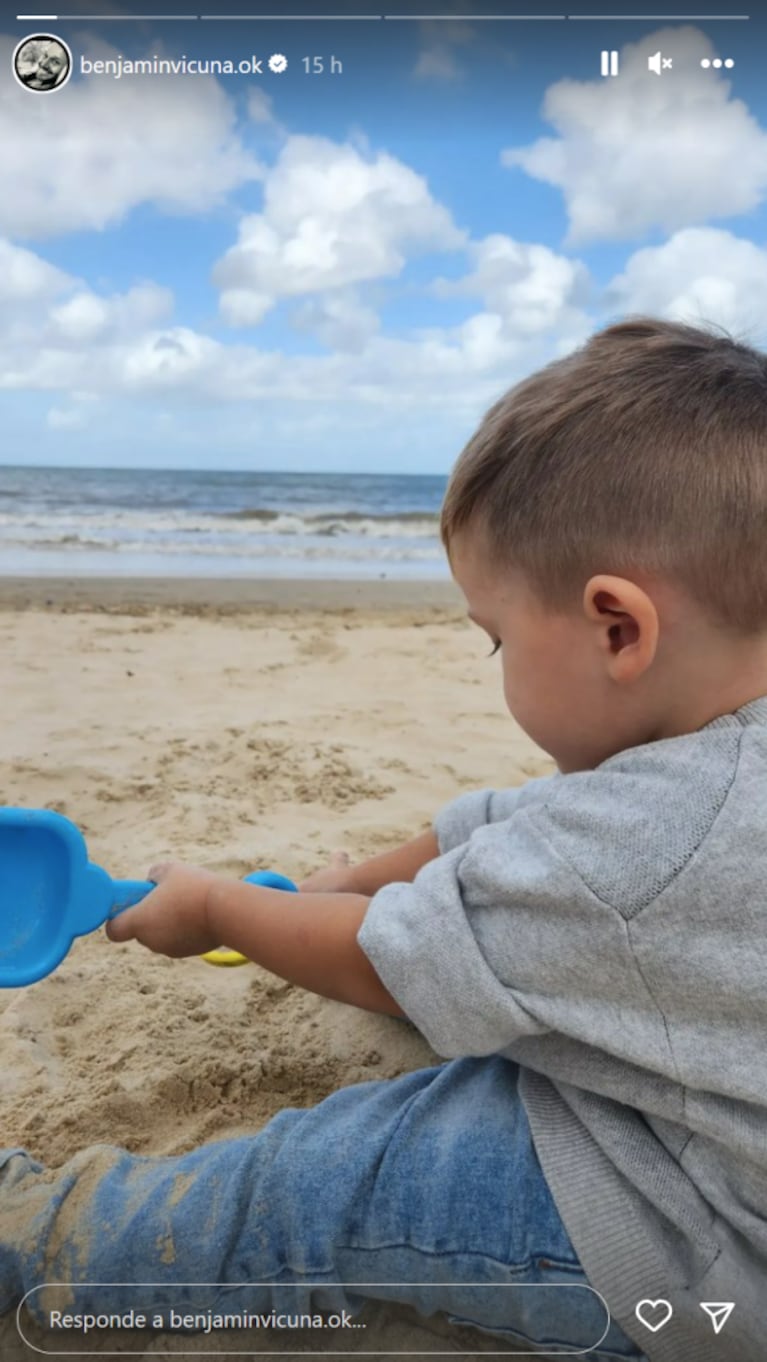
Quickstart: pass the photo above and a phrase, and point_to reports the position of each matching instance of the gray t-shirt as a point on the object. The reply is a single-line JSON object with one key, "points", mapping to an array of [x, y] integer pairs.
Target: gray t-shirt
{"points": [[608, 931]]}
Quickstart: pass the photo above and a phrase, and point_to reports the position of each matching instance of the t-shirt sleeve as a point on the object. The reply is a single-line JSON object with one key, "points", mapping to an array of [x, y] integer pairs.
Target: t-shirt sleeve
{"points": [[500, 939], [456, 821]]}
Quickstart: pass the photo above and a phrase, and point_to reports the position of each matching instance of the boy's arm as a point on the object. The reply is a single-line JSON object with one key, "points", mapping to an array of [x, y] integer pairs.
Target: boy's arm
{"points": [[308, 939], [393, 867]]}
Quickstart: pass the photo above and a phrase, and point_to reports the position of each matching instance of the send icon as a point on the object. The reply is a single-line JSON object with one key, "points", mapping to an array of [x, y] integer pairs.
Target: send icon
{"points": [[718, 1312]]}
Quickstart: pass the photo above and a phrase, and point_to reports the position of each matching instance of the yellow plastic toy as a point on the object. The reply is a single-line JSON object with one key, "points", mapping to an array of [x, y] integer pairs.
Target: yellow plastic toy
{"points": [[223, 956]]}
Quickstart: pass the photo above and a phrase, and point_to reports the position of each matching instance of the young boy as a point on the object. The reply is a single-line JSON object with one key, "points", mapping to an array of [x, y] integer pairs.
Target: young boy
{"points": [[589, 951]]}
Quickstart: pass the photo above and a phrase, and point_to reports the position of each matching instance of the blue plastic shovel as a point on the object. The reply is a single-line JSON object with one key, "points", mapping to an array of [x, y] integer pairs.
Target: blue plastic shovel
{"points": [[50, 892]]}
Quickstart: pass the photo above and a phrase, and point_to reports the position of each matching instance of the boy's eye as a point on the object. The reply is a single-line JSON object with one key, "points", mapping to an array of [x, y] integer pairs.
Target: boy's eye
{"points": [[495, 649]]}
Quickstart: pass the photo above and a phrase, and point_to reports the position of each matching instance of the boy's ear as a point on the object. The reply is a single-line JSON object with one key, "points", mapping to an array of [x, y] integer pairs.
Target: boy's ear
{"points": [[628, 620]]}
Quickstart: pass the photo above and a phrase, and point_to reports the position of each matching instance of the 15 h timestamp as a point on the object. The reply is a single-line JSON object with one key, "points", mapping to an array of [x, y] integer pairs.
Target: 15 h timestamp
{"points": [[318, 66]]}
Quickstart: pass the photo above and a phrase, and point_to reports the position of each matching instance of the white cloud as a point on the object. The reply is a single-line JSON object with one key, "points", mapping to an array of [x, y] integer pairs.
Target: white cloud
{"points": [[81, 318], [70, 340], [643, 151], [702, 274], [30, 289], [452, 367], [177, 357], [86, 316], [332, 217], [340, 321], [25, 278], [85, 160], [531, 288], [260, 107], [57, 334]]}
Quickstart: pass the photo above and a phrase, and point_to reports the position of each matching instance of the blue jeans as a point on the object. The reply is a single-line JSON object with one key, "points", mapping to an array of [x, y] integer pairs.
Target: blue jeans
{"points": [[393, 1186]]}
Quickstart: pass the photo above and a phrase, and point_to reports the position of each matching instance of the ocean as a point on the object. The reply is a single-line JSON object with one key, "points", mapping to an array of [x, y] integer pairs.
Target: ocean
{"points": [[158, 522]]}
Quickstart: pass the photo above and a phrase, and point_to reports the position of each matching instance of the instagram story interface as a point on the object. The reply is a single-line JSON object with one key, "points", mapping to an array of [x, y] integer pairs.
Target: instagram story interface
{"points": [[357, 995]]}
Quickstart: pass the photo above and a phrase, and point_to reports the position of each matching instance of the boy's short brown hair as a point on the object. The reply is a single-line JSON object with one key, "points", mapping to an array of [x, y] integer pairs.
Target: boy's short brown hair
{"points": [[645, 449]]}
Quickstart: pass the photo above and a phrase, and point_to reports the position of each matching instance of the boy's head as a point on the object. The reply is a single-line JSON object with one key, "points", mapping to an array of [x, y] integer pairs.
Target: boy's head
{"points": [[608, 523]]}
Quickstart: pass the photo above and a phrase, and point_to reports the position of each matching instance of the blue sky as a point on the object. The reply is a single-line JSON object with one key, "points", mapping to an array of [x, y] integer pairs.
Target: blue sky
{"points": [[342, 271]]}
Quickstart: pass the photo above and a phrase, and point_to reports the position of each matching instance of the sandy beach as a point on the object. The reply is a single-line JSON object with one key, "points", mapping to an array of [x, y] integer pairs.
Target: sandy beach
{"points": [[237, 725]]}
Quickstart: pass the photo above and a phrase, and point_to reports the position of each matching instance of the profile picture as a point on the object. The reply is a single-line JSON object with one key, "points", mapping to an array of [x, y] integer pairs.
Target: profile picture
{"points": [[42, 63]]}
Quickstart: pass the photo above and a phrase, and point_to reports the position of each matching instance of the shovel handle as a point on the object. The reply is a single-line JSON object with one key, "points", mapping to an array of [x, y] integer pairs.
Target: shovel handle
{"points": [[128, 892]]}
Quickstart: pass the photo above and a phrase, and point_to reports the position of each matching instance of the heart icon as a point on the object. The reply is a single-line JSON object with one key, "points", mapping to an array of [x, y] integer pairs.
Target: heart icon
{"points": [[653, 1314]]}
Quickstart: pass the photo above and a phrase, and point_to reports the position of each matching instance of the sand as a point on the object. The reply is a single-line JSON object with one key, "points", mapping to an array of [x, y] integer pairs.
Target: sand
{"points": [[237, 726]]}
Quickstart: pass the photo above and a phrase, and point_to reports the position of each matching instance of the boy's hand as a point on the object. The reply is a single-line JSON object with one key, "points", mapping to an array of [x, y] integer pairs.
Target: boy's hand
{"points": [[173, 919], [334, 878]]}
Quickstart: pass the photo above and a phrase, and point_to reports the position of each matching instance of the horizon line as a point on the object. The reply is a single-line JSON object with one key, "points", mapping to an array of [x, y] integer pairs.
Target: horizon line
{"points": [[154, 468]]}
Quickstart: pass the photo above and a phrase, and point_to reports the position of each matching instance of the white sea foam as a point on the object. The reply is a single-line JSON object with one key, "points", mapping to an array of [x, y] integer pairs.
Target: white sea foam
{"points": [[117, 522], [310, 552]]}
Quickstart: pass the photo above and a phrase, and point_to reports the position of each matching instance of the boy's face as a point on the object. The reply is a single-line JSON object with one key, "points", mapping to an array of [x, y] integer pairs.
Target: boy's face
{"points": [[554, 680]]}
